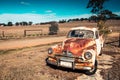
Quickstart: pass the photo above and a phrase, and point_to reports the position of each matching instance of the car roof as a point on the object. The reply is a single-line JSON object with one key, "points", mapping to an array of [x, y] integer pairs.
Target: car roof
{"points": [[85, 28]]}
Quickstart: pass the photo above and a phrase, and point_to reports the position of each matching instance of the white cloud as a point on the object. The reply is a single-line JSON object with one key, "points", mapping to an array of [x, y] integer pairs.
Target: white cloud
{"points": [[118, 13], [48, 11], [37, 18], [4, 18], [76, 16], [24, 3]]}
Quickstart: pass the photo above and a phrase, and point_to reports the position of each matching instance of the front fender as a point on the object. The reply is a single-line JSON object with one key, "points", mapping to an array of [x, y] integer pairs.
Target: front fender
{"points": [[94, 55]]}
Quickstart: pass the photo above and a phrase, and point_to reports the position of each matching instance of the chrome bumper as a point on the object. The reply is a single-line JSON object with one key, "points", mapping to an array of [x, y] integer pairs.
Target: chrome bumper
{"points": [[69, 63]]}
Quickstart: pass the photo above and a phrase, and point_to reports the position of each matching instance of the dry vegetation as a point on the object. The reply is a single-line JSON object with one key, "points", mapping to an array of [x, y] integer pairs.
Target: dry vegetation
{"points": [[29, 63], [18, 31]]}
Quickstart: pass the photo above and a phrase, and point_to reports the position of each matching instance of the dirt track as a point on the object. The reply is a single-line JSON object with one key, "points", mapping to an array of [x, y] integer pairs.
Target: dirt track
{"points": [[15, 44]]}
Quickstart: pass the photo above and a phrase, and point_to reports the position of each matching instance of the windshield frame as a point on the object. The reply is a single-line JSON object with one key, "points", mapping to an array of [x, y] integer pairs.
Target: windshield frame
{"points": [[83, 30]]}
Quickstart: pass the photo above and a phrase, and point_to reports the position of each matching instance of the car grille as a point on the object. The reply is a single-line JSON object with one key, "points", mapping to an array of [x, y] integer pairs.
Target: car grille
{"points": [[67, 54]]}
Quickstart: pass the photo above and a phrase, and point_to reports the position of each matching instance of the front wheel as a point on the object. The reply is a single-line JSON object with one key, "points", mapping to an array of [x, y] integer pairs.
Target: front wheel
{"points": [[93, 70]]}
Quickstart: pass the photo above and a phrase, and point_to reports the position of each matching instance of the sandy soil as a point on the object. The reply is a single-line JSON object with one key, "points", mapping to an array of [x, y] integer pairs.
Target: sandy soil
{"points": [[115, 34], [15, 44], [29, 64]]}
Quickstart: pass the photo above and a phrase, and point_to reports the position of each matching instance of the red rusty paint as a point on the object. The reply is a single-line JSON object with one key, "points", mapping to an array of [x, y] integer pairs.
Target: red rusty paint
{"points": [[76, 45], [58, 49]]}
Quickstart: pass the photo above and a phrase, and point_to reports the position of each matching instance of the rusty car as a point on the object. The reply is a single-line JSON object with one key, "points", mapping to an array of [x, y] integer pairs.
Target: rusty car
{"points": [[78, 51]]}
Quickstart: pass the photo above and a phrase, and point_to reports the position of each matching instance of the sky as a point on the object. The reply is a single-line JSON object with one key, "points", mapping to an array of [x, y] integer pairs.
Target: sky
{"points": [[48, 10]]}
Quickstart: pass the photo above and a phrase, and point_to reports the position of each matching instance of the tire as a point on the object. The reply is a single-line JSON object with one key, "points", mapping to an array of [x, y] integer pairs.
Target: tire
{"points": [[92, 71], [47, 62]]}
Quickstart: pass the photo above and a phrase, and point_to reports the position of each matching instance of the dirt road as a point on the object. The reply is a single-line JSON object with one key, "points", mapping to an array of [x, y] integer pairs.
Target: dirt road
{"points": [[29, 64], [15, 44]]}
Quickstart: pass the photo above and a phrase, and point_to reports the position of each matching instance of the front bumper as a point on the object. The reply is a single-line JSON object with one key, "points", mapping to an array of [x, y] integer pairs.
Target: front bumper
{"points": [[72, 63]]}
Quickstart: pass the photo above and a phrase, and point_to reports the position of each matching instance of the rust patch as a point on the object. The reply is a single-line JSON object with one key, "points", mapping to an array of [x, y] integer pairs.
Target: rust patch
{"points": [[76, 46], [58, 49]]}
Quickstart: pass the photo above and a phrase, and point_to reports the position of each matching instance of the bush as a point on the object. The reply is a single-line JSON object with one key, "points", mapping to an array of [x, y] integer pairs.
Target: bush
{"points": [[53, 29]]}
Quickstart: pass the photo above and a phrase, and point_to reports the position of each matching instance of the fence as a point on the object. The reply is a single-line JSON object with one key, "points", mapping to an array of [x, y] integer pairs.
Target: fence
{"points": [[26, 32]]}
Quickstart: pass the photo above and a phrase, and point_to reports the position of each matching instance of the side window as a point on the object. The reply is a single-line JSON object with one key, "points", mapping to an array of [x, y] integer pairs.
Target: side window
{"points": [[71, 34], [96, 34]]}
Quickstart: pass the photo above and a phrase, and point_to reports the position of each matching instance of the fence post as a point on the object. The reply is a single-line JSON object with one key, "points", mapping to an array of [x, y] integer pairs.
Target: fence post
{"points": [[24, 33], [119, 40], [3, 34]]}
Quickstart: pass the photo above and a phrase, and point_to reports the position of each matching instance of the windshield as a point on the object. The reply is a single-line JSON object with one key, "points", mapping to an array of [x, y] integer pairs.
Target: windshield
{"points": [[81, 34]]}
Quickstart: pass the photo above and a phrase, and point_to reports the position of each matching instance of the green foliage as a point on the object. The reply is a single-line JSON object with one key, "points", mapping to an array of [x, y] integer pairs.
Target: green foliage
{"points": [[10, 24], [96, 5], [24, 23], [30, 23], [102, 14]]}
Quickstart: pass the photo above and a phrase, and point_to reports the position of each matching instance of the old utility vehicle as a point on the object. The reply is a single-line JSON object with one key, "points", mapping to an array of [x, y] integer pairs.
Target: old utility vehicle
{"points": [[78, 51]]}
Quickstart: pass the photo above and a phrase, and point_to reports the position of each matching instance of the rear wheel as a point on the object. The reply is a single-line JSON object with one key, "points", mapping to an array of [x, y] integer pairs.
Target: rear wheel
{"points": [[93, 70]]}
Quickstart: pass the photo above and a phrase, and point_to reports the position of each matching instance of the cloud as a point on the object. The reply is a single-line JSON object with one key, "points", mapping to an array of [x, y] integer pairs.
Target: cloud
{"points": [[48, 11], [118, 13], [24, 3], [75, 16], [37, 18]]}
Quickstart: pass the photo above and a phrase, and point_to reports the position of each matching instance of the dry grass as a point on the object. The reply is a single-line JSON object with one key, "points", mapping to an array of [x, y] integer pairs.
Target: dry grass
{"points": [[18, 31], [29, 64]]}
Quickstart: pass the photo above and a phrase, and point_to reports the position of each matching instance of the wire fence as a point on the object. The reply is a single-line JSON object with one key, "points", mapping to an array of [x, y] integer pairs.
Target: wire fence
{"points": [[10, 34]]}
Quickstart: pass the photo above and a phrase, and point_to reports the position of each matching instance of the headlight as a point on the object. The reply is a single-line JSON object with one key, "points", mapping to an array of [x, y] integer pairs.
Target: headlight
{"points": [[88, 55], [50, 51]]}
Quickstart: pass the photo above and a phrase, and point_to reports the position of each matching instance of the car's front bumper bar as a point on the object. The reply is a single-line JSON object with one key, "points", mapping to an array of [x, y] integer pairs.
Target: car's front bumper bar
{"points": [[84, 65]]}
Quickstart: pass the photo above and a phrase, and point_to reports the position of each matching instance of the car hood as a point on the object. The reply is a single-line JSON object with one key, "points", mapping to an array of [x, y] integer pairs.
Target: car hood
{"points": [[76, 45]]}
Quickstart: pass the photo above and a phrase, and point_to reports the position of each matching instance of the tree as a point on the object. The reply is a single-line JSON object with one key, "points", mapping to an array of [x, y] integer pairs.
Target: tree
{"points": [[96, 5], [25, 23], [30, 23], [17, 23], [102, 13], [93, 18], [63, 21], [82, 19], [10, 24]]}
